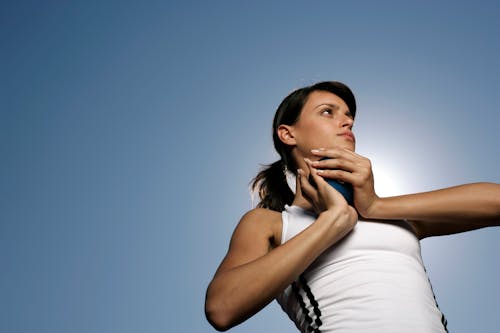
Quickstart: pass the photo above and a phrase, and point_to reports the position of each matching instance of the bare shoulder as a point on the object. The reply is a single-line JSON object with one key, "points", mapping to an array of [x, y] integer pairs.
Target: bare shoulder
{"points": [[257, 233], [261, 215], [260, 222]]}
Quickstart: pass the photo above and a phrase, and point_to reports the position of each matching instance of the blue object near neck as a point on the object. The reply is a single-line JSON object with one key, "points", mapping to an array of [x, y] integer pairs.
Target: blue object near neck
{"points": [[344, 188]]}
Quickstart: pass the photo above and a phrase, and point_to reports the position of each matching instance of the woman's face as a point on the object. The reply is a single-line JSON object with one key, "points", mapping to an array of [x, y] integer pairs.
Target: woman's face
{"points": [[325, 122]]}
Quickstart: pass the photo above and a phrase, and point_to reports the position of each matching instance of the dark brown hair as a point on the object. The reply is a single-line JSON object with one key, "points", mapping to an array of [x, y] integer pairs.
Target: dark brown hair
{"points": [[270, 182]]}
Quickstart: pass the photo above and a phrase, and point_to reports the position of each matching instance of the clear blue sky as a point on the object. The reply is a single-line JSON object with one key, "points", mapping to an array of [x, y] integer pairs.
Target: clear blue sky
{"points": [[129, 133]]}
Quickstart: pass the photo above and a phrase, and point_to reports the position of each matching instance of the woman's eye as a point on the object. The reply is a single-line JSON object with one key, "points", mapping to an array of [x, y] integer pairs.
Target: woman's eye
{"points": [[327, 111]]}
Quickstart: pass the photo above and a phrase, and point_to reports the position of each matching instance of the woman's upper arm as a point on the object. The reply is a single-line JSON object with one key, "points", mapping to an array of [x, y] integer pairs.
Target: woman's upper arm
{"points": [[253, 237], [424, 229]]}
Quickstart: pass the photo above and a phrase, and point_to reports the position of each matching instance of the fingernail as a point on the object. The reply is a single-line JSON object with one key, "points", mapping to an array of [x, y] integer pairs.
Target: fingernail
{"points": [[317, 150]]}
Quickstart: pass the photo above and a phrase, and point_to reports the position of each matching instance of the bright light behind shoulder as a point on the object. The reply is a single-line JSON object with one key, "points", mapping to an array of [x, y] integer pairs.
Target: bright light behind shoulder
{"points": [[388, 181], [389, 177]]}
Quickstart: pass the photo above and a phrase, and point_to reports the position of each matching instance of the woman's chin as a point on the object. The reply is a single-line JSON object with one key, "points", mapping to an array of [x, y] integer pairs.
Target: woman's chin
{"points": [[346, 145]]}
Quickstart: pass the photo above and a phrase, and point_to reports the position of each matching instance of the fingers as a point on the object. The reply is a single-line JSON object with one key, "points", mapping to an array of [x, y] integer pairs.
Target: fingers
{"points": [[338, 168], [322, 185], [344, 176], [313, 172], [343, 164], [336, 152], [335, 163], [337, 158], [307, 188]]}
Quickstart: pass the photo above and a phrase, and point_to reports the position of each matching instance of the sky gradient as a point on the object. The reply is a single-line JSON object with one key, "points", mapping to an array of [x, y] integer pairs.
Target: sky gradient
{"points": [[129, 134]]}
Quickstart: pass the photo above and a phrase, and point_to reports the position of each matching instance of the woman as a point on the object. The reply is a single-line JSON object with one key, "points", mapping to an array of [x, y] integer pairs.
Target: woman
{"points": [[331, 266]]}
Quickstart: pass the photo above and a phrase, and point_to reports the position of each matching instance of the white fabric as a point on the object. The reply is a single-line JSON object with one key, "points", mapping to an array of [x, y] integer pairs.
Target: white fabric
{"points": [[373, 280]]}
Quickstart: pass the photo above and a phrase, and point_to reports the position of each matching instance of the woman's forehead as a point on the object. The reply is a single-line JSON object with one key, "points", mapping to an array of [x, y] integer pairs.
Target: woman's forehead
{"points": [[319, 97]]}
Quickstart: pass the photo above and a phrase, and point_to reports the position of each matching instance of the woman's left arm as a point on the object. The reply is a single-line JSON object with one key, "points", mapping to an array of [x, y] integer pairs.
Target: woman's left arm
{"points": [[440, 212], [445, 211]]}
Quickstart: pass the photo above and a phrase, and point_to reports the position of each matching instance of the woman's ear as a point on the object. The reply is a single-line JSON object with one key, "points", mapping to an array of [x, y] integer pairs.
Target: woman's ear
{"points": [[285, 133]]}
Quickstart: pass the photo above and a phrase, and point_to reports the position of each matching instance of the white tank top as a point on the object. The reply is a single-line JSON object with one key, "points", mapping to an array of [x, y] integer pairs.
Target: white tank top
{"points": [[373, 280]]}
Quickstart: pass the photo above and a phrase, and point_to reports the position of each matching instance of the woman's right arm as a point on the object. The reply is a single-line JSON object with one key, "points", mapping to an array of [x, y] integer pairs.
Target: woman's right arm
{"points": [[252, 274]]}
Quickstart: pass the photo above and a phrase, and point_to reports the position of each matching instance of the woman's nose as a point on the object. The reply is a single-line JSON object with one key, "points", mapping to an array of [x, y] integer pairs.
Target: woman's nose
{"points": [[346, 121]]}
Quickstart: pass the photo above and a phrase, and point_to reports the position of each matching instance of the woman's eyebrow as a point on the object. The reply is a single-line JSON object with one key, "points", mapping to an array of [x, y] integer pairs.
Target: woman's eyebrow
{"points": [[334, 106]]}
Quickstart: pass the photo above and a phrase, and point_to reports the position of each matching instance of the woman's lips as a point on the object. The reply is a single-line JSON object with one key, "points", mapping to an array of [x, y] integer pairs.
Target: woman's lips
{"points": [[348, 135]]}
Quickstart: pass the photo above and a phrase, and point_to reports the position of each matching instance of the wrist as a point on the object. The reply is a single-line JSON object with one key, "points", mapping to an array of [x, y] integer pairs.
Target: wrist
{"points": [[376, 210], [390, 208], [336, 222]]}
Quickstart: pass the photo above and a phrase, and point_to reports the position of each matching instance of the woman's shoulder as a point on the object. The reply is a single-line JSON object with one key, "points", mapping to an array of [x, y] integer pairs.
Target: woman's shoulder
{"points": [[262, 221], [261, 214]]}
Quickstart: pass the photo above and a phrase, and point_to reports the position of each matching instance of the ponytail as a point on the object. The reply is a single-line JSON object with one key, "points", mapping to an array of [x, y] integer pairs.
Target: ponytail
{"points": [[273, 189]]}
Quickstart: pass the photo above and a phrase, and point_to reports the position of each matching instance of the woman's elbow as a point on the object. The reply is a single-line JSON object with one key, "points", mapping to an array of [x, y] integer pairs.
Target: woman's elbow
{"points": [[217, 316]]}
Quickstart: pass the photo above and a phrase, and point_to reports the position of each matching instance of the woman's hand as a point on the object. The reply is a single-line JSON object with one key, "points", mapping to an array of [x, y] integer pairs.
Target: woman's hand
{"points": [[327, 202], [317, 191], [347, 166]]}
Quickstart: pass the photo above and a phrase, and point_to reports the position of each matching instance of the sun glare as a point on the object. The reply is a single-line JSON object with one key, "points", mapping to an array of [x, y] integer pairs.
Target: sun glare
{"points": [[388, 180]]}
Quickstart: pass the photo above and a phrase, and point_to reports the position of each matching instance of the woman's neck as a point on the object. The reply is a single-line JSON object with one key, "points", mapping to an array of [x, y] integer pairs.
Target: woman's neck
{"points": [[301, 202]]}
